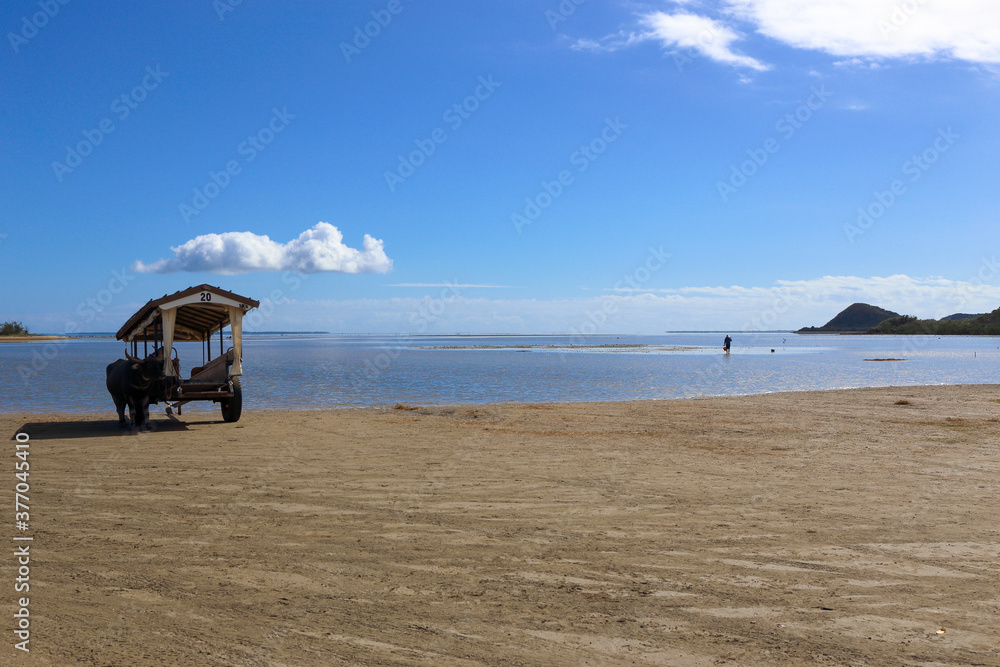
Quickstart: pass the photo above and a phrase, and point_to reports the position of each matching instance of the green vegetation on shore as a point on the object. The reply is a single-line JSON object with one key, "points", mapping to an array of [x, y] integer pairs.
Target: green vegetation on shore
{"points": [[13, 329], [983, 325]]}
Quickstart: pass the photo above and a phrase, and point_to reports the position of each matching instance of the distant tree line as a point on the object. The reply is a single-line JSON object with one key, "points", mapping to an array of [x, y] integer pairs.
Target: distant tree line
{"points": [[984, 325], [13, 329]]}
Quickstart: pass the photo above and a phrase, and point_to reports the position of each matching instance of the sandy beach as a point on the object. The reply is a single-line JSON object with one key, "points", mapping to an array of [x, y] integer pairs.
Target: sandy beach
{"points": [[852, 527]]}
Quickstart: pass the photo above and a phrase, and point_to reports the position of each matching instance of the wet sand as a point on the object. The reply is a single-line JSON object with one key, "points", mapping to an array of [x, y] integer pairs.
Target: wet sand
{"points": [[853, 527]]}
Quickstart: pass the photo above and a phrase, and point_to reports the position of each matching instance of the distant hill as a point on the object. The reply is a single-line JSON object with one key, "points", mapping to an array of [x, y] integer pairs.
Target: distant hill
{"points": [[981, 325], [960, 316], [856, 318]]}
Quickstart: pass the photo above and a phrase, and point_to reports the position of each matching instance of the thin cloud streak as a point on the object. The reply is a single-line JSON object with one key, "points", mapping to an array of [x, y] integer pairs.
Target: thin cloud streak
{"points": [[785, 305], [901, 288]]}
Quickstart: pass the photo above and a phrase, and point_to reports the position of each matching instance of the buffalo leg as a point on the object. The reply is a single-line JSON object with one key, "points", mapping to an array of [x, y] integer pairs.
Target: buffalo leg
{"points": [[120, 407], [136, 412]]}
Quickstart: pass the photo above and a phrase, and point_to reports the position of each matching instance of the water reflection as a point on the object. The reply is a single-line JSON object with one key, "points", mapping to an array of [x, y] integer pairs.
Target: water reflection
{"points": [[354, 371]]}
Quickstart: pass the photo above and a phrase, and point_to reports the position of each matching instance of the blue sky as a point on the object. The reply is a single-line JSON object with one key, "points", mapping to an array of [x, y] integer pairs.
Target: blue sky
{"points": [[518, 166]]}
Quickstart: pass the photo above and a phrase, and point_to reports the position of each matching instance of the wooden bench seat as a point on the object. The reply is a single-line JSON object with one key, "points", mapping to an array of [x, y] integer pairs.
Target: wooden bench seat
{"points": [[214, 372]]}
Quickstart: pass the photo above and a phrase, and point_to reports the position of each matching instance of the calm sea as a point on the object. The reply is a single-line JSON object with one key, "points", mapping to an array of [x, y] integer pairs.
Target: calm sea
{"points": [[326, 371]]}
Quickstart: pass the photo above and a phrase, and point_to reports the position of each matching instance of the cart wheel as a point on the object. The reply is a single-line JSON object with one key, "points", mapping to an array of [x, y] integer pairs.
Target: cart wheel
{"points": [[233, 407]]}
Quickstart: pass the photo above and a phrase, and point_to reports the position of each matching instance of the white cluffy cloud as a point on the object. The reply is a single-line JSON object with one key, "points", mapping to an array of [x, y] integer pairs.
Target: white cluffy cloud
{"points": [[316, 250], [866, 29], [962, 29]]}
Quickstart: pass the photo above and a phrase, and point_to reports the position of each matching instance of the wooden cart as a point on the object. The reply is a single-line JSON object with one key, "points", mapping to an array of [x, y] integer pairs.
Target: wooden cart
{"points": [[194, 314]]}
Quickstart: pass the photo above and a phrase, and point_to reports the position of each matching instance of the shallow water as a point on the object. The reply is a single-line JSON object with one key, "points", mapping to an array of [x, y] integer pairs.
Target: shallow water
{"points": [[329, 371]]}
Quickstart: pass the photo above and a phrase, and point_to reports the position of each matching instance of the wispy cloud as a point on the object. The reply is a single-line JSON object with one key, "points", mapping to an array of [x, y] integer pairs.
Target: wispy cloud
{"points": [[691, 32], [316, 250], [614, 42], [704, 35]]}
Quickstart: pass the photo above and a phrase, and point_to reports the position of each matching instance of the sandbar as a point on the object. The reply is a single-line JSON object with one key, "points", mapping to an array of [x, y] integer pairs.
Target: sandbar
{"points": [[32, 338]]}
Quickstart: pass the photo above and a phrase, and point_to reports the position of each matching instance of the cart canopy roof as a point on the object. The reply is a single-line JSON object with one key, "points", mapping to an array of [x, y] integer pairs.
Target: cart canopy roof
{"points": [[200, 312]]}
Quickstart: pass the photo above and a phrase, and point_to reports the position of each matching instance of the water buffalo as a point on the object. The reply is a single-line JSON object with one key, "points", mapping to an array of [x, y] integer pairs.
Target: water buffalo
{"points": [[132, 382]]}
